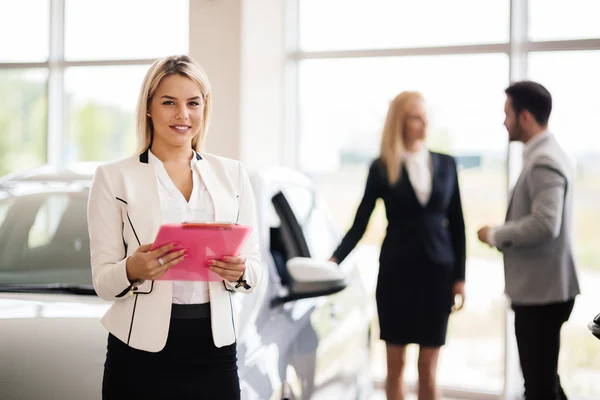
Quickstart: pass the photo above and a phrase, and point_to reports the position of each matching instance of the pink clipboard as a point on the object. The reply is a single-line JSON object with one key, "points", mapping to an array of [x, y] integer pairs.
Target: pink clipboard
{"points": [[203, 241]]}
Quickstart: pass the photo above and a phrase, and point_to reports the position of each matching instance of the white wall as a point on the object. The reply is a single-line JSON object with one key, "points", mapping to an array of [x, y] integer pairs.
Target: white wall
{"points": [[239, 43]]}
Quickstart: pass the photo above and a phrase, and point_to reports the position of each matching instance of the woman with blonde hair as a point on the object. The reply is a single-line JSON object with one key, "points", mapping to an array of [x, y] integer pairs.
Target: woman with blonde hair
{"points": [[169, 339], [422, 260]]}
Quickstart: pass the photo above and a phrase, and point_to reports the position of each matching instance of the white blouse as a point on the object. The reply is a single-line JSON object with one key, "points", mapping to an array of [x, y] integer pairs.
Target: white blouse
{"points": [[418, 165], [176, 209]]}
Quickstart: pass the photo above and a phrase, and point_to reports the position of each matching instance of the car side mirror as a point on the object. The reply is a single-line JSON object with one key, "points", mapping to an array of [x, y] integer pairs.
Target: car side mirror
{"points": [[312, 278], [594, 326]]}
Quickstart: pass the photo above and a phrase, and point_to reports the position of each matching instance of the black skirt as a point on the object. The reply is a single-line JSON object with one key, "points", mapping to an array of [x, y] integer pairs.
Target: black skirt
{"points": [[414, 307], [189, 367]]}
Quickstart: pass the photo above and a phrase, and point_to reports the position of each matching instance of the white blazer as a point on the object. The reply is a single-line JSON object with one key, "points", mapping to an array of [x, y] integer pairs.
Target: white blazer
{"points": [[124, 212]]}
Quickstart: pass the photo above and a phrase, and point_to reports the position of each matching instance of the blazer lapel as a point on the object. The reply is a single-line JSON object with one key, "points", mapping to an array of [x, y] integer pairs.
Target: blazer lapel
{"points": [[435, 170], [143, 201], [406, 185], [435, 161], [528, 155], [512, 195]]}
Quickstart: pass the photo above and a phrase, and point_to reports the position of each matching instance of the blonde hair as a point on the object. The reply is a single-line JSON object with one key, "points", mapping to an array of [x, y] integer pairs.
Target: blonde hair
{"points": [[180, 65], [392, 136]]}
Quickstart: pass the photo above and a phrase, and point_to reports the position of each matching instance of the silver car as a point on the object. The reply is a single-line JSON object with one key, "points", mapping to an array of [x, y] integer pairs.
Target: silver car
{"points": [[305, 334]]}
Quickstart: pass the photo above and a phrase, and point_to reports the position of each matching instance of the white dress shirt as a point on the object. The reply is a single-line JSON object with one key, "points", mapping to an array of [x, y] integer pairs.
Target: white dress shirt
{"points": [[176, 209], [419, 168], [491, 237]]}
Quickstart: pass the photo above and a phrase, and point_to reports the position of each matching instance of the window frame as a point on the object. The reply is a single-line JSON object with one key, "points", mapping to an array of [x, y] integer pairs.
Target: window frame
{"points": [[56, 65], [518, 47]]}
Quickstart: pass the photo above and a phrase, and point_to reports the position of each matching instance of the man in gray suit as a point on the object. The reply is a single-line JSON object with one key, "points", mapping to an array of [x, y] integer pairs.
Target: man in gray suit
{"points": [[539, 266]]}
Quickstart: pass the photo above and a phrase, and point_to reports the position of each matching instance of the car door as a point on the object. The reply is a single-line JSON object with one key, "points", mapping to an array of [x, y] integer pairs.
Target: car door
{"points": [[338, 322], [279, 341]]}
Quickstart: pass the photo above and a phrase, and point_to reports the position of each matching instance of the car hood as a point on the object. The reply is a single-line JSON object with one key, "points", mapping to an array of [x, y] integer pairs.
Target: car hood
{"points": [[52, 346]]}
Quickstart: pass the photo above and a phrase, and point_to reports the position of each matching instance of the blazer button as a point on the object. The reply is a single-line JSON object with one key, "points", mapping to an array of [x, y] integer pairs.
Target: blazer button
{"points": [[445, 222]]}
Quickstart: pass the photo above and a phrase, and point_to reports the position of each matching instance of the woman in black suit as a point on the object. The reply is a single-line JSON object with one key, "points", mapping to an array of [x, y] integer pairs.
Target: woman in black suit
{"points": [[422, 260]]}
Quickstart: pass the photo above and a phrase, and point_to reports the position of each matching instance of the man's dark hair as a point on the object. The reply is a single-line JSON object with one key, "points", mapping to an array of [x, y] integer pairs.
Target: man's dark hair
{"points": [[533, 97]]}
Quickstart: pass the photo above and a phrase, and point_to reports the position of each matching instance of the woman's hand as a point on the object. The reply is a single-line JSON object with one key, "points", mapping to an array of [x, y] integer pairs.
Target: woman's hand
{"points": [[229, 268], [458, 290], [150, 265]]}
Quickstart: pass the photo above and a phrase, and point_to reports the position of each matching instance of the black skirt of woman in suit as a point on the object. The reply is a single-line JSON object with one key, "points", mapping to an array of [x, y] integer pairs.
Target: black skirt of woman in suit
{"points": [[422, 255], [189, 367]]}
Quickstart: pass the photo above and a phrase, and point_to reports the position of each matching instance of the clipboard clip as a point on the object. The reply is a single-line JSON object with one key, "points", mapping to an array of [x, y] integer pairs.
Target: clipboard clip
{"points": [[215, 225]]}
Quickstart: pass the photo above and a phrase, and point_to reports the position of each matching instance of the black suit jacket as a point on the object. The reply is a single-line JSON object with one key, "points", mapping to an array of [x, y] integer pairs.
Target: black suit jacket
{"points": [[416, 234]]}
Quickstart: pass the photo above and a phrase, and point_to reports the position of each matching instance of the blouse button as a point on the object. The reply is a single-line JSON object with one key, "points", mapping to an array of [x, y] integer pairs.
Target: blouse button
{"points": [[445, 222]]}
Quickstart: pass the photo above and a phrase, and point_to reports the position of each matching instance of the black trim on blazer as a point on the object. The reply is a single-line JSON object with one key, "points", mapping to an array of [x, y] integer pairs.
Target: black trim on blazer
{"points": [[133, 229], [132, 288], [144, 156], [226, 288], [232, 317], [124, 292], [124, 242], [132, 316]]}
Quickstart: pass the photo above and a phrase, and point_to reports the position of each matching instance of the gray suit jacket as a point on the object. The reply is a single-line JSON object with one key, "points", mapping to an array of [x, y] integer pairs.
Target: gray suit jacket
{"points": [[536, 239]]}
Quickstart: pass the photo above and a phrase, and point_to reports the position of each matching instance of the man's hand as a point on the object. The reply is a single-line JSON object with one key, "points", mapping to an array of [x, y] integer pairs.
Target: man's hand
{"points": [[483, 234]]}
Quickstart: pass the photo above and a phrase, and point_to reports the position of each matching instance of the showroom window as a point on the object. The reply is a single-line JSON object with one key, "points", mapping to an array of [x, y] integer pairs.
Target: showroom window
{"points": [[71, 81], [353, 56], [382, 24]]}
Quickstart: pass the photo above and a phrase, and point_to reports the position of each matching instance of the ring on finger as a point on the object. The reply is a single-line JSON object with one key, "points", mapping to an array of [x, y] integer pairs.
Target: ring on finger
{"points": [[161, 261]]}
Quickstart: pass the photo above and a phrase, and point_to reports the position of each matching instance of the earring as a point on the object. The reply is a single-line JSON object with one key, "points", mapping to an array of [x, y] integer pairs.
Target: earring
{"points": [[148, 114]]}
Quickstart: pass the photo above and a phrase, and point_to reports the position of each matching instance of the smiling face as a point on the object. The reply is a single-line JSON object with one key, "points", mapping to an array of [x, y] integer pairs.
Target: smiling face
{"points": [[176, 111]]}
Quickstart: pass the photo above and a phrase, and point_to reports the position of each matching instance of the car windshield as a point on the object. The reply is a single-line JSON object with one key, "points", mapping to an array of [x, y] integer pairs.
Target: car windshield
{"points": [[44, 236]]}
